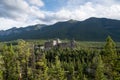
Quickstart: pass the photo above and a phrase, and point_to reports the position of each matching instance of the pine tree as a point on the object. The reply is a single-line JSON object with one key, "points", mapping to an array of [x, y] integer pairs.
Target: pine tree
{"points": [[110, 55], [80, 71], [57, 71], [71, 74], [41, 72], [9, 63], [110, 48], [1, 67], [24, 54], [99, 74]]}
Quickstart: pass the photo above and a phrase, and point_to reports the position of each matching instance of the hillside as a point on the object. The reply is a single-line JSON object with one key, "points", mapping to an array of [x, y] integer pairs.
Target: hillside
{"points": [[92, 29]]}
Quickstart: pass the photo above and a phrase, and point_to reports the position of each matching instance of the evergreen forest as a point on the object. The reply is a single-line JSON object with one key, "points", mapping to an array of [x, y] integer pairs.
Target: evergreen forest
{"points": [[23, 62]]}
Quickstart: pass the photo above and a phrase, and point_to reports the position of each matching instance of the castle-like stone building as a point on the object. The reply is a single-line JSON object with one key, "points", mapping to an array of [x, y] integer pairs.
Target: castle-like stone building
{"points": [[57, 43]]}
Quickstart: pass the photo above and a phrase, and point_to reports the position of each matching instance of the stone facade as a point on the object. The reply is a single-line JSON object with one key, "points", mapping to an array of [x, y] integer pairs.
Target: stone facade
{"points": [[57, 43]]}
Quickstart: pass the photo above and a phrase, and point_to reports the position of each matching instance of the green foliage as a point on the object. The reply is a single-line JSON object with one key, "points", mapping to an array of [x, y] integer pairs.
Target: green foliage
{"points": [[110, 57], [57, 71], [9, 60], [1, 68], [110, 47], [80, 72], [23, 62], [99, 73]]}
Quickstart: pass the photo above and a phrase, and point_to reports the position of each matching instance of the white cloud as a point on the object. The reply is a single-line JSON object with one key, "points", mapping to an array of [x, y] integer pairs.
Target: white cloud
{"points": [[85, 10], [19, 12], [16, 13], [19, 9], [8, 23], [36, 2]]}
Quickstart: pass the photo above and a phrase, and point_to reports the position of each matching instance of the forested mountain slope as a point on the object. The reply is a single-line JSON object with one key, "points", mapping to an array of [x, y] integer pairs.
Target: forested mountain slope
{"points": [[92, 29]]}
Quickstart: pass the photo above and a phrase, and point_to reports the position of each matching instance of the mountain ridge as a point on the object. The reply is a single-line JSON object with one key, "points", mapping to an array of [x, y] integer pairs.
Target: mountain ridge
{"points": [[91, 29]]}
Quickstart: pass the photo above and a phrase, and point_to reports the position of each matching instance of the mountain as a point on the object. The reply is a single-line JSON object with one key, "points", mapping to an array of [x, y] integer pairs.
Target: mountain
{"points": [[91, 29], [15, 30]]}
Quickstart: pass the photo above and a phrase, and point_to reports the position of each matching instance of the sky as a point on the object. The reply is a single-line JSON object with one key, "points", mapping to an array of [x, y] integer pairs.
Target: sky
{"points": [[21, 13]]}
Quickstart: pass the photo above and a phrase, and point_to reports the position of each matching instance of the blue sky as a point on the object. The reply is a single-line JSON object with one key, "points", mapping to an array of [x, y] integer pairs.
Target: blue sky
{"points": [[53, 5], [21, 13]]}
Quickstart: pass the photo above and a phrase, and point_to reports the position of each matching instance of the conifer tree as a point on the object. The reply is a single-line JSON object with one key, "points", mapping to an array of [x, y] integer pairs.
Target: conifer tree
{"points": [[80, 72], [1, 68], [110, 48], [24, 54], [99, 73], [9, 63], [110, 55], [57, 71], [41, 72], [71, 74]]}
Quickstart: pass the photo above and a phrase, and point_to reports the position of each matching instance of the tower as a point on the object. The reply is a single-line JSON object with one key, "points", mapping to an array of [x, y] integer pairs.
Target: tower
{"points": [[72, 43]]}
